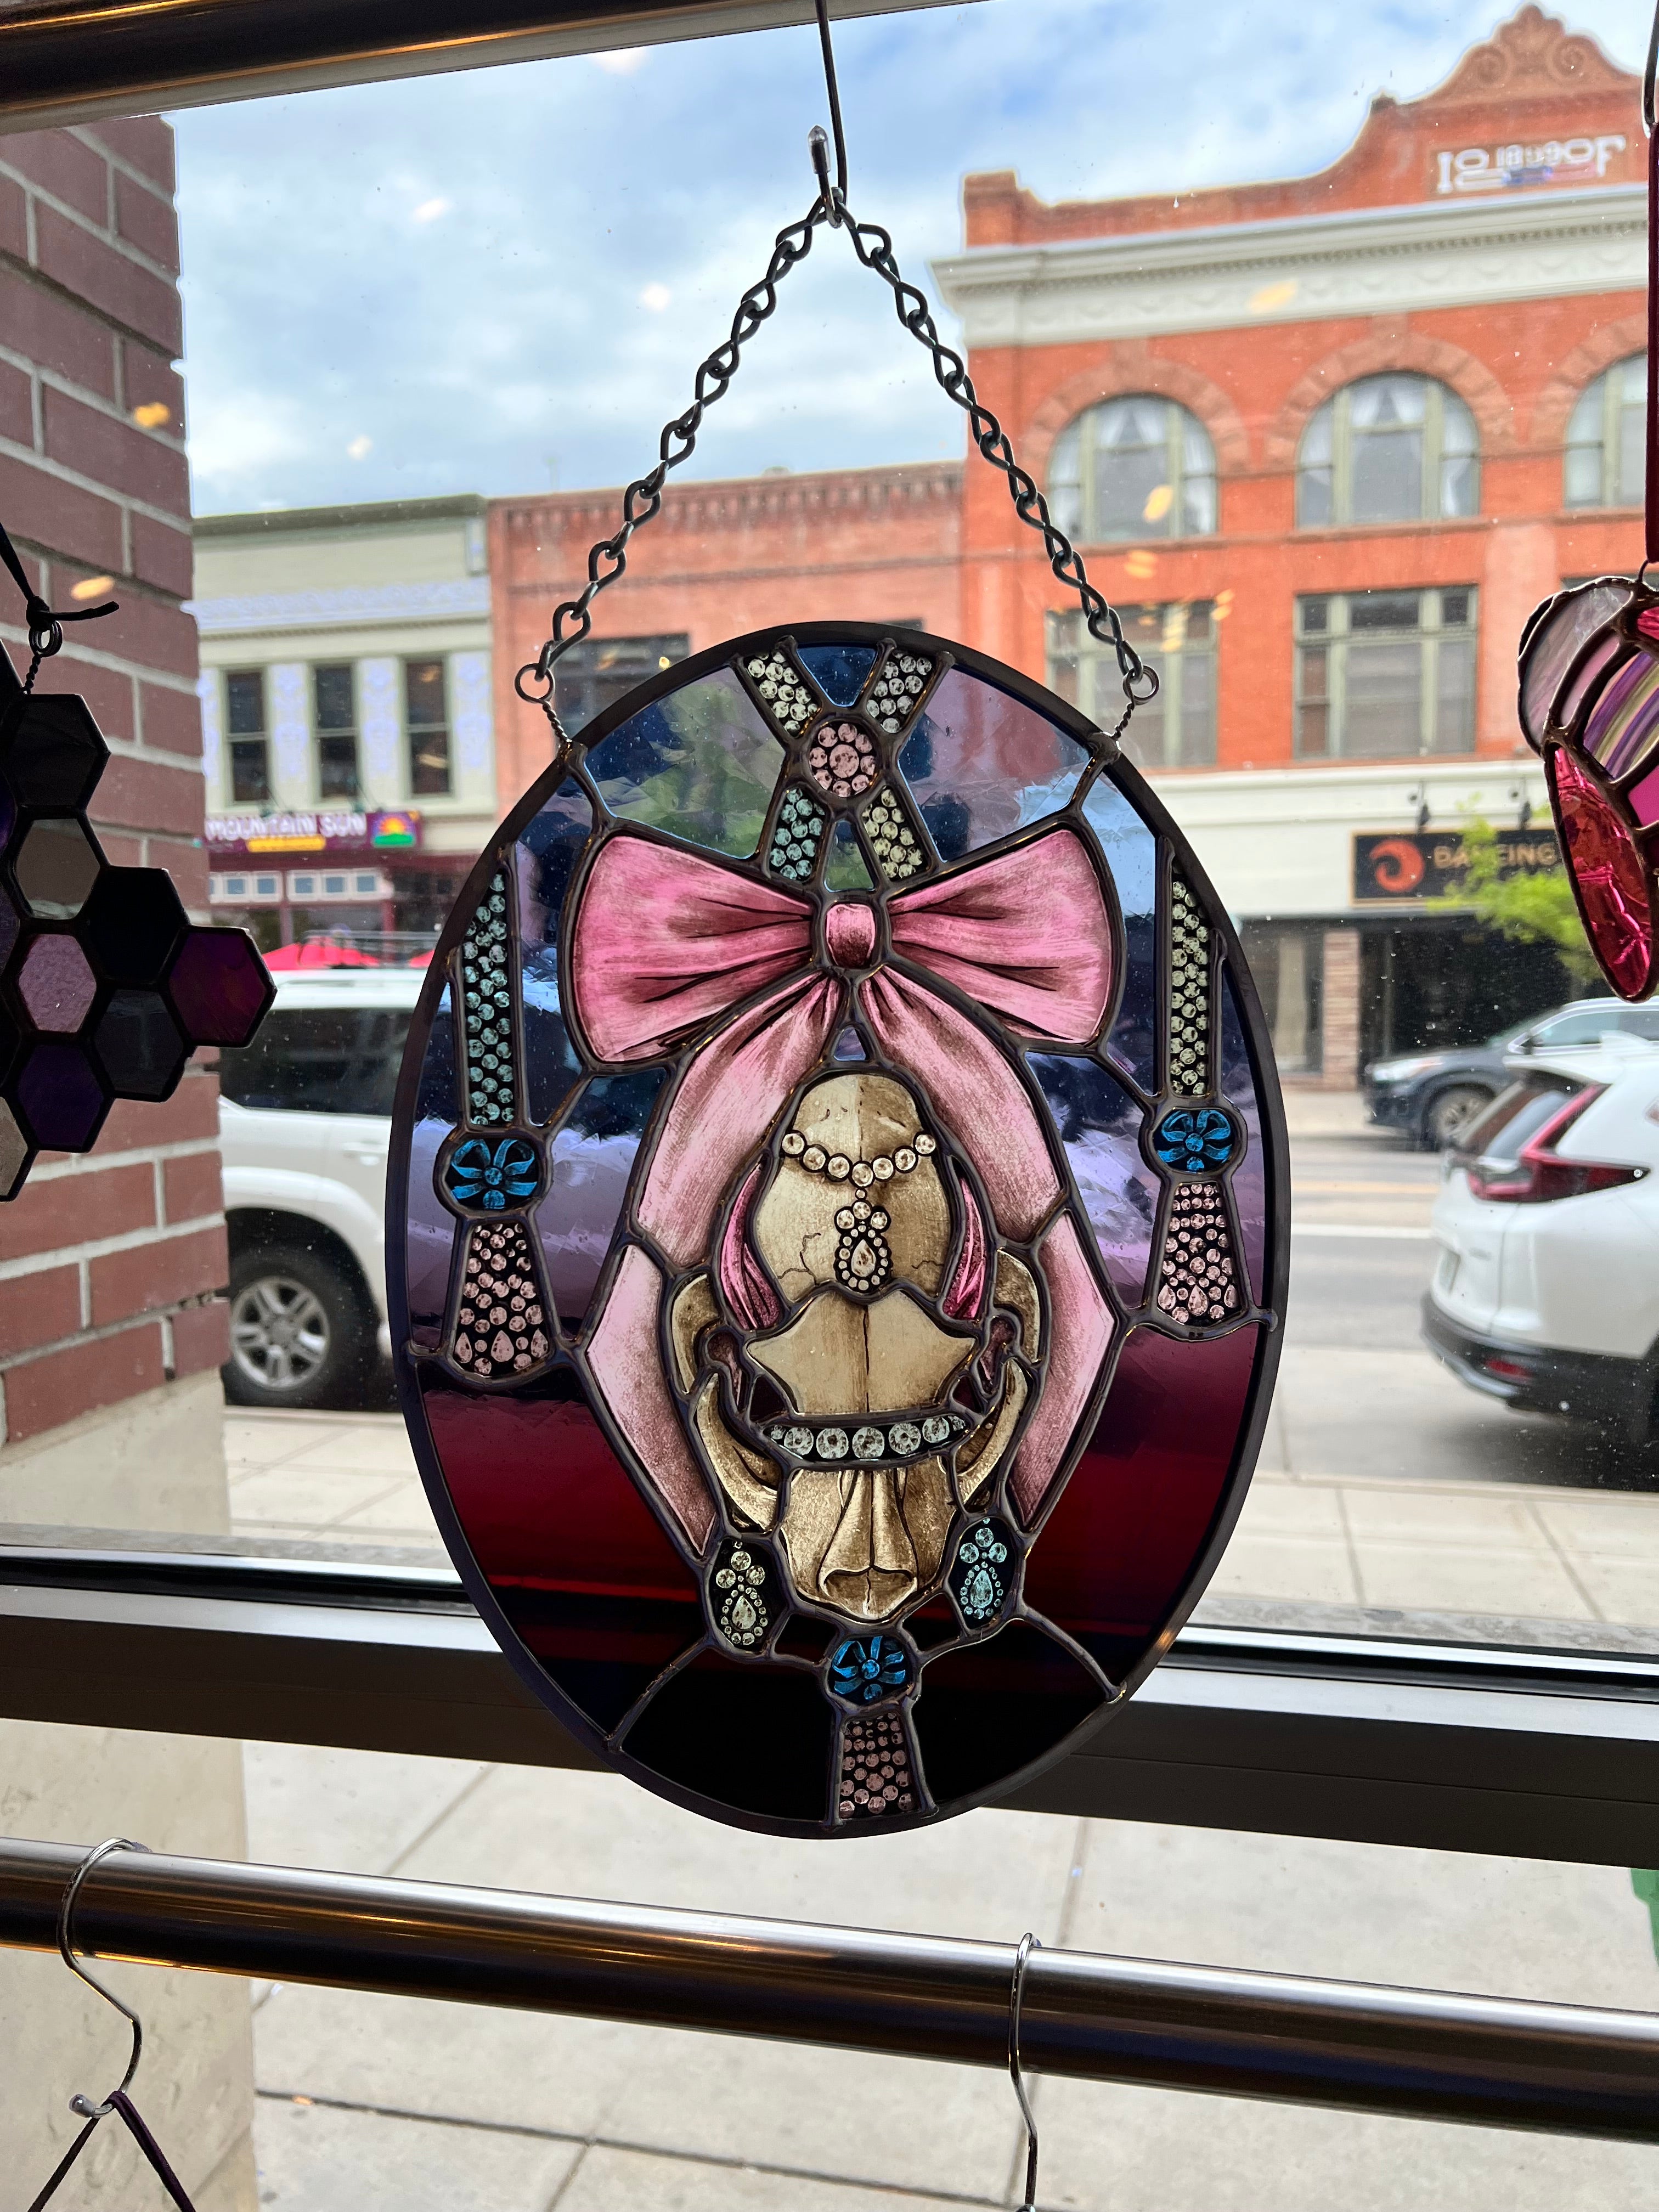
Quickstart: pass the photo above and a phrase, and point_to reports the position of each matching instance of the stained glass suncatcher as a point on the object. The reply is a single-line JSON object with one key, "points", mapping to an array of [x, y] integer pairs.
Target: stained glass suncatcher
{"points": [[835, 1231]]}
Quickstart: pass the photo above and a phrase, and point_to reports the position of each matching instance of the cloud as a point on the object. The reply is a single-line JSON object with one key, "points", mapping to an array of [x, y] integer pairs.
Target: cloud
{"points": [[360, 448], [480, 345], [623, 62], [429, 211]]}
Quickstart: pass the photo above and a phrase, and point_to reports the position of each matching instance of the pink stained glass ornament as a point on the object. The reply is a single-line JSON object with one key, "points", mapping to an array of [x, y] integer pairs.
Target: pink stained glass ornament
{"points": [[829, 1310], [1608, 875]]}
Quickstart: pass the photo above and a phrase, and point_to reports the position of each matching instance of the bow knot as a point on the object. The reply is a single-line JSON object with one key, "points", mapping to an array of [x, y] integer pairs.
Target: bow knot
{"points": [[668, 943]]}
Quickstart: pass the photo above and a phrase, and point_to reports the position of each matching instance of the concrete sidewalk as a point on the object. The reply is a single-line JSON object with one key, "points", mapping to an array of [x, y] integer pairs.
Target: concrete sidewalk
{"points": [[1504, 1551]]}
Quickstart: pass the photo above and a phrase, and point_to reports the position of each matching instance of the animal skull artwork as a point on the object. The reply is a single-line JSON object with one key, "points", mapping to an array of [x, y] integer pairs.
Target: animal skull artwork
{"points": [[836, 1094]]}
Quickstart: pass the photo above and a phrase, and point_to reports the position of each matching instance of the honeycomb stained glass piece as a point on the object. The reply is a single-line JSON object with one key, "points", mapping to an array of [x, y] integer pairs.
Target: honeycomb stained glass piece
{"points": [[50, 752], [850, 1266], [61, 1096], [55, 984], [56, 866], [115, 992], [132, 923], [16, 1153], [220, 987], [139, 1045]]}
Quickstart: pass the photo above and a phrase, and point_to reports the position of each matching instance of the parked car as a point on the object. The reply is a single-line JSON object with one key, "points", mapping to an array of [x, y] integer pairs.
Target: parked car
{"points": [[1546, 1287], [1434, 1095], [305, 1125]]}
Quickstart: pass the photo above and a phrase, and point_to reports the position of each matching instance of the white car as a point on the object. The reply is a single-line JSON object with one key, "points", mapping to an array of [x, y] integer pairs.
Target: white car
{"points": [[305, 1124], [1545, 1290]]}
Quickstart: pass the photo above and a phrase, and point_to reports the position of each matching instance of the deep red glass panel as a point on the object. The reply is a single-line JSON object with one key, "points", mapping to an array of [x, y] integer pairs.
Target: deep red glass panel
{"points": [[1614, 895]]}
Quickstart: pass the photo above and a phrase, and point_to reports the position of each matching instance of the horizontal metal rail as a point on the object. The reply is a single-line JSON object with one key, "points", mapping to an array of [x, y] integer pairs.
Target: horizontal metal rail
{"points": [[69, 61], [1421, 2053]]}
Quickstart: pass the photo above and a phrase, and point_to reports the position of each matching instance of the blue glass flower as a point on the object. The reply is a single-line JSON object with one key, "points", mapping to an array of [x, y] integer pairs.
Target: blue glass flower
{"points": [[865, 1668], [1196, 1139], [492, 1177]]}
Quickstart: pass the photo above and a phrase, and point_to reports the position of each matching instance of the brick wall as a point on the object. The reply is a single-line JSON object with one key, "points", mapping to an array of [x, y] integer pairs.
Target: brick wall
{"points": [[109, 1264]]}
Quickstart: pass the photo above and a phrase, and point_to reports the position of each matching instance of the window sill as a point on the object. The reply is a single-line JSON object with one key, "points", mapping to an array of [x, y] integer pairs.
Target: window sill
{"points": [[1444, 1747]]}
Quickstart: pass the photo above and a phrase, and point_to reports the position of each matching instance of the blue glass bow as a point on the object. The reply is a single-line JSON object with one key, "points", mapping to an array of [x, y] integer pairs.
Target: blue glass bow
{"points": [[492, 1176], [1194, 1140], [868, 1670]]}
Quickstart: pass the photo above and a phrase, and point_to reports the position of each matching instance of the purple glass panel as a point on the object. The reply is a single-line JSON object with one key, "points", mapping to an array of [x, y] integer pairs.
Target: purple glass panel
{"points": [[1624, 721], [982, 765], [1250, 1177], [700, 763], [593, 1157], [1644, 799], [1131, 852], [220, 987], [1099, 1124], [1552, 647], [62, 1097], [1606, 655], [55, 983]]}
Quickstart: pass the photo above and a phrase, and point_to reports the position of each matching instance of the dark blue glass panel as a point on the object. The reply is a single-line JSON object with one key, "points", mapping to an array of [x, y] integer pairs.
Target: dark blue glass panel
{"points": [[700, 763], [593, 1157], [838, 670], [437, 1099], [1099, 1124], [549, 848], [1250, 1180], [431, 1230], [982, 765], [1131, 851]]}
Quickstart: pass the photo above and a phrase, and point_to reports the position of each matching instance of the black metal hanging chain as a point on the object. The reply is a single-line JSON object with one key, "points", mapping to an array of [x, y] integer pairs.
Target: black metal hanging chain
{"points": [[46, 625], [608, 559]]}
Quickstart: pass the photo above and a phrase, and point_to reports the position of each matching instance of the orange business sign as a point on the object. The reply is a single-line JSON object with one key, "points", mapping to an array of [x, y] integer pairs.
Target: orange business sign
{"points": [[1391, 866]]}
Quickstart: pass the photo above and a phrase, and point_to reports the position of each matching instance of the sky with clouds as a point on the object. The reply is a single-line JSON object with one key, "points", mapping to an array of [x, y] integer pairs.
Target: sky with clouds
{"points": [[503, 279]]}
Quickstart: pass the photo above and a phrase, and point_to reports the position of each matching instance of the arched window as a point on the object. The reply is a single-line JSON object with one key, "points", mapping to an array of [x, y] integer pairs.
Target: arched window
{"points": [[1390, 449], [1607, 438], [1135, 468]]}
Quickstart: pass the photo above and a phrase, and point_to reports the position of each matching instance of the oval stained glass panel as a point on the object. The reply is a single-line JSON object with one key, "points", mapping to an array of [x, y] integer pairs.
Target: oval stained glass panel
{"points": [[838, 1231]]}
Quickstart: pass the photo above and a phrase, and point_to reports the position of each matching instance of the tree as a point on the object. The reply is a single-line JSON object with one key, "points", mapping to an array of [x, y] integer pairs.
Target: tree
{"points": [[1528, 909]]}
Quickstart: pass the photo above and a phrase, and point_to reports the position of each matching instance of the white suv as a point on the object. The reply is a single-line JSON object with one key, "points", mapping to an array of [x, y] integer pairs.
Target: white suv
{"points": [[1545, 1292], [305, 1125]]}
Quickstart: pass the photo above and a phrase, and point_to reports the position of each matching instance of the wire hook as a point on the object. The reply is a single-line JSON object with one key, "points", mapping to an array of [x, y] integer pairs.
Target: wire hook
{"points": [[79, 2103], [1649, 76], [817, 145], [1027, 1943]]}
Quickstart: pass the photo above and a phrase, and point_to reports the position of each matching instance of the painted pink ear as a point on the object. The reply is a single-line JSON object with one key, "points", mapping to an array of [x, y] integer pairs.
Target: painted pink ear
{"points": [[966, 1299], [749, 1298]]}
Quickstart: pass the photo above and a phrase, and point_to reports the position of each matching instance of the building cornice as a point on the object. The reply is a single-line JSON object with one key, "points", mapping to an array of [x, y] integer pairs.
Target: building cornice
{"points": [[1297, 269], [357, 606], [770, 498], [372, 514]]}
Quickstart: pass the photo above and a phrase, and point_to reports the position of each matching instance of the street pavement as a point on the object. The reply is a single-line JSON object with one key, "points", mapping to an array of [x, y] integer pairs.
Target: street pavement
{"points": [[1385, 1489]]}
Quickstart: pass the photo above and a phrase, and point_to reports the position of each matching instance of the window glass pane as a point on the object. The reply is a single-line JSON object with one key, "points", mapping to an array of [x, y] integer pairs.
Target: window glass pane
{"points": [[244, 694], [427, 713], [336, 701], [317, 1061], [1632, 437], [1385, 702], [1454, 730], [1387, 475]]}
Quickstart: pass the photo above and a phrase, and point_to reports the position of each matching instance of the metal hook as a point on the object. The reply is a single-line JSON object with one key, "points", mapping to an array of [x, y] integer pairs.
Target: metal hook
{"points": [[818, 144], [1649, 76], [1027, 1943], [78, 2103]]}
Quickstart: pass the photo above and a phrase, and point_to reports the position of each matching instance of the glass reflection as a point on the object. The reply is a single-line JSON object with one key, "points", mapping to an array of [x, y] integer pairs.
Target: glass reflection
{"points": [[1131, 851], [982, 765], [592, 1157], [699, 764], [1099, 1124]]}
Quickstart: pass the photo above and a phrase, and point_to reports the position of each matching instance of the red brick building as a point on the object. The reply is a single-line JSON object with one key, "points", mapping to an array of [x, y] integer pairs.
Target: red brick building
{"points": [[1328, 440]]}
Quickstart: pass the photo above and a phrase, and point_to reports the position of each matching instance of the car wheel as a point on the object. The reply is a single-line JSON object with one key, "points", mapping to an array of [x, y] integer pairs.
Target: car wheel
{"points": [[1451, 1112], [299, 1331]]}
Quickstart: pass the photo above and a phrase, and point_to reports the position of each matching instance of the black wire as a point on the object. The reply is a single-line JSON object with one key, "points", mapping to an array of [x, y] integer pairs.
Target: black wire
{"points": [[835, 96], [45, 623]]}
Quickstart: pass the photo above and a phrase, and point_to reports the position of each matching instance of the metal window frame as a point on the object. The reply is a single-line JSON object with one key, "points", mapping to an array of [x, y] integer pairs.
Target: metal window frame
{"points": [[74, 61], [1099, 690], [1472, 1748]]}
